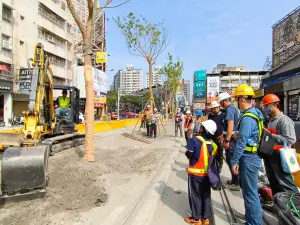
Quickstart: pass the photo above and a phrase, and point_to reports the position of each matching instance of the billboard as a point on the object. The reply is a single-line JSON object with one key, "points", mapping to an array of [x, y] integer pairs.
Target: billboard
{"points": [[286, 38], [180, 100], [199, 89], [213, 88], [199, 75]]}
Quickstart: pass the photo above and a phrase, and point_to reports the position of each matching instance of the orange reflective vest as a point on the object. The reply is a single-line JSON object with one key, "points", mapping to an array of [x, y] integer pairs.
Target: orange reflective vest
{"points": [[201, 167]]}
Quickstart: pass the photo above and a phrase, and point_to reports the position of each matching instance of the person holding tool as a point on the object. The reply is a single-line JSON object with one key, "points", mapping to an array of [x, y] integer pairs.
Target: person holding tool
{"points": [[200, 148], [245, 160], [282, 129], [230, 126], [154, 121]]}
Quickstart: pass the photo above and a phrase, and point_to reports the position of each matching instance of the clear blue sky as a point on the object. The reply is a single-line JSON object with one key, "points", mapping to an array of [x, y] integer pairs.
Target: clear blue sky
{"points": [[203, 33]]}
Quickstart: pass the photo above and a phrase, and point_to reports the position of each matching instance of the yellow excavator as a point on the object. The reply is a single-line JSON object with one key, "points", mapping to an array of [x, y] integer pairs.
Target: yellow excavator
{"points": [[24, 156]]}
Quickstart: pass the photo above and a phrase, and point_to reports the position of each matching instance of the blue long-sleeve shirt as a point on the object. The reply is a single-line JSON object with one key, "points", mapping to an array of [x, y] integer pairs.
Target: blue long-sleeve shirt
{"points": [[248, 135]]}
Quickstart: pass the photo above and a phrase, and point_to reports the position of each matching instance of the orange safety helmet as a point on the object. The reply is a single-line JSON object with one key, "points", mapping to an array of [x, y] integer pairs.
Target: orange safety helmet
{"points": [[270, 98]]}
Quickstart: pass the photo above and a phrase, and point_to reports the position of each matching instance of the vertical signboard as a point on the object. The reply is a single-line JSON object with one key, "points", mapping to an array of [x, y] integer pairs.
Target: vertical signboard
{"points": [[213, 88], [200, 86], [25, 79], [180, 100]]}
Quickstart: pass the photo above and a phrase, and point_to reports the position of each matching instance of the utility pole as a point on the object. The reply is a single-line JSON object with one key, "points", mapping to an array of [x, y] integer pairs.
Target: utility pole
{"points": [[118, 104]]}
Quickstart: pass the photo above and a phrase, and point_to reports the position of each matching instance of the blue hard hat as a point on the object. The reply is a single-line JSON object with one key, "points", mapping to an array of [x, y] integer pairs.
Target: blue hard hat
{"points": [[198, 112]]}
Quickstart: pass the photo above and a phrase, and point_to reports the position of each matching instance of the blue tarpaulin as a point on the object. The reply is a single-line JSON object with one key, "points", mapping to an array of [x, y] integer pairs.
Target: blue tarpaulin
{"points": [[265, 84]]}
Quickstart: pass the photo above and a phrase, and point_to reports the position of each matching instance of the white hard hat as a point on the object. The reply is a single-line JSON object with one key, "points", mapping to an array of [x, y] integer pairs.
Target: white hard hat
{"points": [[179, 109], [214, 104], [188, 112], [223, 96], [155, 109], [210, 126], [148, 106]]}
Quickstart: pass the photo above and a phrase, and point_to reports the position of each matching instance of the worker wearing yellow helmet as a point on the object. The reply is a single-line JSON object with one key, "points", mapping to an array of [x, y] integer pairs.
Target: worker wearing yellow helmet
{"points": [[245, 160]]}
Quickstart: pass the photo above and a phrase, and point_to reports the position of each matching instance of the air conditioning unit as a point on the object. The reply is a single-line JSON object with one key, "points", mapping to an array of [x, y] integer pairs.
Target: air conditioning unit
{"points": [[6, 45]]}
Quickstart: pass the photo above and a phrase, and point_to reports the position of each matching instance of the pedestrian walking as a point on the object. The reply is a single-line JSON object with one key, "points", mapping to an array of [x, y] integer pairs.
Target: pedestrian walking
{"points": [[147, 119], [200, 148], [282, 129], [198, 121], [245, 161], [188, 123], [179, 122], [230, 126], [154, 121], [219, 118]]}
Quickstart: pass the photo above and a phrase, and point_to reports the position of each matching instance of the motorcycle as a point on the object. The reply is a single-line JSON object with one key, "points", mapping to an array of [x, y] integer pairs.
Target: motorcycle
{"points": [[17, 121]]}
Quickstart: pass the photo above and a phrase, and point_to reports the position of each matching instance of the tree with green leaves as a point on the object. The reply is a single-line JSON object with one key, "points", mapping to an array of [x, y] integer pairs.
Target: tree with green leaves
{"points": [[144, 39], [87, 31], [172, 72]]}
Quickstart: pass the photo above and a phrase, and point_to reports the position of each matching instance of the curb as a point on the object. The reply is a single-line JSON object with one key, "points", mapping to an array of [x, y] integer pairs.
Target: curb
{"points": [[144, 208]]}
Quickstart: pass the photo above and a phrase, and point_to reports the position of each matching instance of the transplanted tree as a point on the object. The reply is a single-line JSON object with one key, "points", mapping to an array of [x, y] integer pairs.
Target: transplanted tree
{"points": [[86, 31], [172, 74], [143, 39]]}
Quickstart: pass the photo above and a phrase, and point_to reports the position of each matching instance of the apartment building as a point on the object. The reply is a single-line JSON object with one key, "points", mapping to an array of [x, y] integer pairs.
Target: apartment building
{"points": [[187, 91], [6, 60], [128, 80], [156, 76], [47, 22], [223, 67]]}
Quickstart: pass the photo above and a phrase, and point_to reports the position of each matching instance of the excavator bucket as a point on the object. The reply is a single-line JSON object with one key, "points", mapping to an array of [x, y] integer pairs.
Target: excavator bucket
{"points": [[24, 169], [9, 139]]}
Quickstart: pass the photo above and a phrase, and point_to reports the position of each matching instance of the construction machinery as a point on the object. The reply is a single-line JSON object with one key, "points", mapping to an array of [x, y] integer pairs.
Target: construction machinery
{"points": [[24, 157]]}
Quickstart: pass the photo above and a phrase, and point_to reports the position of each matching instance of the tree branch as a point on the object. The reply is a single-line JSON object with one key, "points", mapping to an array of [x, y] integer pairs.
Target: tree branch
{"points": [[111, 7], [76, 17]]}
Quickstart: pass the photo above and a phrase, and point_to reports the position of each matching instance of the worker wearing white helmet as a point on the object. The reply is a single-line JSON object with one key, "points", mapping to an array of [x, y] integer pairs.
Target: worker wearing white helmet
{"points": [[218, 117], [188, 123], [230, 127], [200, 149], [154, 121], [179, 122]]}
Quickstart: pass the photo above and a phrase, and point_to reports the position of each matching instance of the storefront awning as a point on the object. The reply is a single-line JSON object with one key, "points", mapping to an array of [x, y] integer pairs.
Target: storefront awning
{"points": [[270, 82]]}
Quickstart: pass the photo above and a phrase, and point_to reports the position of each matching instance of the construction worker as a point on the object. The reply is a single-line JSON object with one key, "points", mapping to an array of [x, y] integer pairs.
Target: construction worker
{"points": [[245, 161], [198, 121], [282, 129], [154, 121], [188, 129], [62, 105], [230, 126], [147, 119], [199, 150], [178, 122], [219, 118]]}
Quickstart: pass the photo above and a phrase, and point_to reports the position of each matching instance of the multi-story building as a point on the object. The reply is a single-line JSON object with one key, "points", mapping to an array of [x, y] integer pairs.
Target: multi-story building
{"points": [[156, 76], [128, 80], [6, 59], [46, 22], [223, 67], [187, 91]]}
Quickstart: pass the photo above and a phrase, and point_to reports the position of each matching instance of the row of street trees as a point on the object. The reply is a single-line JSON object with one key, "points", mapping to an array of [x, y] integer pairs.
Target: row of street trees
{"points": [[142, 39]]}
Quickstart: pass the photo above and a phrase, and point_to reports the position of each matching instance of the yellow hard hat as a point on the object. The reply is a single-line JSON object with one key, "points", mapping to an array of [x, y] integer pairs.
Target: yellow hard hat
{"points": [[243, 90]]}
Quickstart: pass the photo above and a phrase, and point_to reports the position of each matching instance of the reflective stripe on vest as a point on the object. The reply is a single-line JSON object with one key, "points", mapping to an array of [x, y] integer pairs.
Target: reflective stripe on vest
{"points": [[201, 167], [260, 123], [63, 103]]}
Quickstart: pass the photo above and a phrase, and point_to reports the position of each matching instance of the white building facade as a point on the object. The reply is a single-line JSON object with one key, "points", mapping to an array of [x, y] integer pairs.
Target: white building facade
{"points": [[128, 80], [187, 91], [156, 76]]}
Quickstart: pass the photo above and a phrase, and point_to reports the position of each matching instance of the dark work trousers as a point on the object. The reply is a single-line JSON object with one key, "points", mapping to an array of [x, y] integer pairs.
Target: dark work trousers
{"points": [[199, 197], [219, 156], [280, 181], [229, 155], [148, 127], [153, 129], [188, 135]]}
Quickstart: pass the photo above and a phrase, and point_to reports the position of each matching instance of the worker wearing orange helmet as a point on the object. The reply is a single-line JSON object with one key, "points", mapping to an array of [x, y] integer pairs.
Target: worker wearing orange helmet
{"points": [[282, 129]]}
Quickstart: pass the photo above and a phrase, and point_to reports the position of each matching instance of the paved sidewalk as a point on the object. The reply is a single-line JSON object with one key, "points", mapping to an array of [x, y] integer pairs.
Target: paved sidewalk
{"points": [[173, 205]]}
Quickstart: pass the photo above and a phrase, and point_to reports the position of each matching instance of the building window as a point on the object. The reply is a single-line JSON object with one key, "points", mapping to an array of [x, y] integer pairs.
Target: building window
{"points": [[6, 13], [51, 37], [47, 13], [56, 60], [69, 28]]}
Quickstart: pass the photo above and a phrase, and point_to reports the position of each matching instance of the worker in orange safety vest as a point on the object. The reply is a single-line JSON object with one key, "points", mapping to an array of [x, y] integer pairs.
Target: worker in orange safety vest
{"points": [[200, 148]]}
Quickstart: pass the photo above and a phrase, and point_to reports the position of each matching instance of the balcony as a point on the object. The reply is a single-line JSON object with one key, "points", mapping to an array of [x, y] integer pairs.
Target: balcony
{"points": [[254, 77], [6, 28], [59, 71], [53, 48], [225, 78], [244, 77], [6, 75], [234, 77], [224, 84]]}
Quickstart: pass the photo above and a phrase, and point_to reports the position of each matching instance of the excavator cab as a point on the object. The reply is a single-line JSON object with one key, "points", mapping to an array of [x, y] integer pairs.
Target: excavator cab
{"points": [[66, 124]]}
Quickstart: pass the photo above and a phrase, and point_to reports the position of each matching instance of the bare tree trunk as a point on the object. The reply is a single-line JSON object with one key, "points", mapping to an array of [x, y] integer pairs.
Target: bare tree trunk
{"points": [[150, 86], [89, 112]]}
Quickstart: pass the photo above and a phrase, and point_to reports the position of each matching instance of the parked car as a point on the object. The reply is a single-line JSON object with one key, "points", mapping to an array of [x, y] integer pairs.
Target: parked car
{"points": [[130, 115], [114, 116]]}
